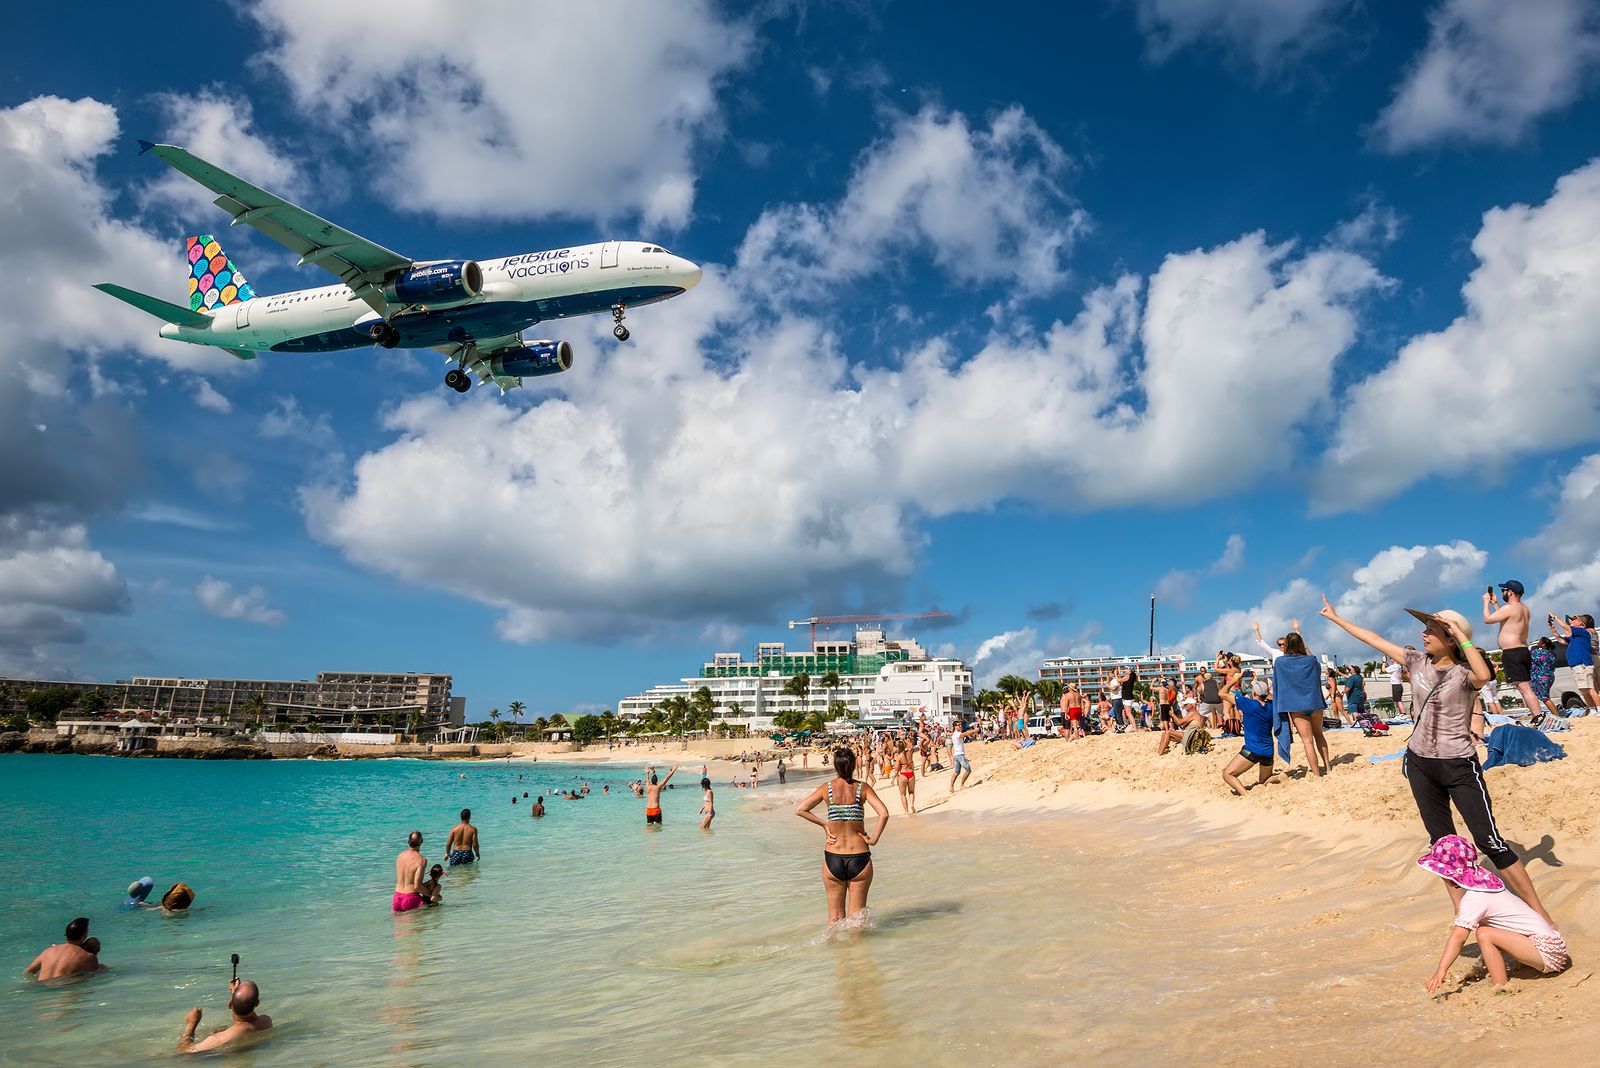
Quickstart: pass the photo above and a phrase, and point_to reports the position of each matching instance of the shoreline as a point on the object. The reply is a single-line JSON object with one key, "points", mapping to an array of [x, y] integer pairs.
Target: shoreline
{"points": [[173, 747]]}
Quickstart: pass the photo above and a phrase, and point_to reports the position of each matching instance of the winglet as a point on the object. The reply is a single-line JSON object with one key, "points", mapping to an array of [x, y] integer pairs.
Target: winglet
{"points": [[145, 146]]}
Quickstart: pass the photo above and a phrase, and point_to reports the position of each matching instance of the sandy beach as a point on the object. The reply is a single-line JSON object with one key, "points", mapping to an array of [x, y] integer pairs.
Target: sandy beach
{"points": [[1322, 874]]}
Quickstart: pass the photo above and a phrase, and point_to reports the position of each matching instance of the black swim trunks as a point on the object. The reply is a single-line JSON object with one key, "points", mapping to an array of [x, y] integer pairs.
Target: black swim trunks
{"points": [[1256, 758], [1517, 664]]}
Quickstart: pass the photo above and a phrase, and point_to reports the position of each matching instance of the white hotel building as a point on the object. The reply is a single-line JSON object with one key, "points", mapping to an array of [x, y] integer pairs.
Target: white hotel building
{"points": [[881, 680]]}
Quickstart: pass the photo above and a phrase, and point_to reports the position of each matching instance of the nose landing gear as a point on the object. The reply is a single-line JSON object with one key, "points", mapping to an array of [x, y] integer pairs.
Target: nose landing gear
{"points": [[619, 331]]}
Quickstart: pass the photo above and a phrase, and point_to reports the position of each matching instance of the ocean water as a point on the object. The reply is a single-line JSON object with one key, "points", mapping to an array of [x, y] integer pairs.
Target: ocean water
{"points": [[584, 939]]}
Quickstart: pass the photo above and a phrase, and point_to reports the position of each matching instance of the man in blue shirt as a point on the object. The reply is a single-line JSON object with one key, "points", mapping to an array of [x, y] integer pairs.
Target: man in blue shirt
{"points": [[1580, 656], [1257, 713]]}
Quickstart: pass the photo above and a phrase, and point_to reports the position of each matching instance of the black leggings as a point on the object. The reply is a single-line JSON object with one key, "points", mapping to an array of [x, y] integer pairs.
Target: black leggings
{"points": [[1435, 782]]}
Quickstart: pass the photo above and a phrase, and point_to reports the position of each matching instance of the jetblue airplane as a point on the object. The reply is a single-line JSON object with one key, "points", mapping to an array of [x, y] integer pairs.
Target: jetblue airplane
{"points": [[472, 312]]}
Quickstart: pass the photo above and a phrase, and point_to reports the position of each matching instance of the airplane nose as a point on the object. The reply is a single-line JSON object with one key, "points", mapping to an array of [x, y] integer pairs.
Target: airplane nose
{"points": [[691, 274]]}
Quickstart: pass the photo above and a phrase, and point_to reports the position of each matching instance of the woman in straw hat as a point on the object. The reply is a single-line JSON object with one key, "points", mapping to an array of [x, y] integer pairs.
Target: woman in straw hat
{"points": [[1441, 758]]}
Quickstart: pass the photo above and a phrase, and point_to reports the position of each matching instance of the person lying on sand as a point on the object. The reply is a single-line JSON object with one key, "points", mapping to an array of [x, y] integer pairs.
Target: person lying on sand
{"points": [[1505, 924]]}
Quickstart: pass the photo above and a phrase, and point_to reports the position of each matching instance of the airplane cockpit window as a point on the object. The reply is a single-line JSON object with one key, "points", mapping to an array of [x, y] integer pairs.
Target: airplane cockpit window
{"points": [[653, 248]]}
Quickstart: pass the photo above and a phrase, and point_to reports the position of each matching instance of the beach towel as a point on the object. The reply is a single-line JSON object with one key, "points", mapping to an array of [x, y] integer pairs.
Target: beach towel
{"points": [[1283, 731], [1396, 755], [1297, 684], [1523, 746]]}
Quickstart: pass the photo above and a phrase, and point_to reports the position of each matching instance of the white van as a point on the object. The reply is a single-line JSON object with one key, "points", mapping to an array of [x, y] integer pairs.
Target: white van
{"points": [[1048, 726]]}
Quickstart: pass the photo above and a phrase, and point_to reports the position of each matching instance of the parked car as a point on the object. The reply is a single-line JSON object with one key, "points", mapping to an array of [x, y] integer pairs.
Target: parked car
{"points": [[1049, 726]]}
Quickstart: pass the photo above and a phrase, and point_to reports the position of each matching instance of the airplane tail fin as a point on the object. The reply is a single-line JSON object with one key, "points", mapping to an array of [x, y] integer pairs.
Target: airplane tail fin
{"points": [[214, 282]]}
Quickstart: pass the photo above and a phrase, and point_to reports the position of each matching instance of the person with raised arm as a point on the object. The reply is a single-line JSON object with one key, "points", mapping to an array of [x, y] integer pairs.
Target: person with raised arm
{"points": [[652, 794], [1441, 758]]}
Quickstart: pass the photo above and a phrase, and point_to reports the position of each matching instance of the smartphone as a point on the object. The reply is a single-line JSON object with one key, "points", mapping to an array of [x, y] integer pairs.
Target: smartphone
{"points": [[235, 959], [1489, 590]]}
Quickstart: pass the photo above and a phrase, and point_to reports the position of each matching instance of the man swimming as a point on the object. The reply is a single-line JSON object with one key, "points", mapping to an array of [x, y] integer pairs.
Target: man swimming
{"points": [[408, 869], [538, 806], [246, 996], [462, 845], [66, 958], [652, 794]]}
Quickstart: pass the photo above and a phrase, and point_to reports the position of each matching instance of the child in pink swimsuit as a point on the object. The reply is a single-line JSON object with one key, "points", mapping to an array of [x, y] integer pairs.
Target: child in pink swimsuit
{"points": [[1505, 925]]}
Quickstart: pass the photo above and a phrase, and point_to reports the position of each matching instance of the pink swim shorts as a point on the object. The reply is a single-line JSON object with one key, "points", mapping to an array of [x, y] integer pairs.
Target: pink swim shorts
{"points": [[1553, 951], [407, 902]]}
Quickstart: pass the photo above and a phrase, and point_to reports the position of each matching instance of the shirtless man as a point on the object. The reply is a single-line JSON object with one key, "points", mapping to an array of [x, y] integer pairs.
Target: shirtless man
{"points": [[408, 869], [652, 795], [246, 996], [1516, 659], [66, 958], [462, 845], [538, 806]]}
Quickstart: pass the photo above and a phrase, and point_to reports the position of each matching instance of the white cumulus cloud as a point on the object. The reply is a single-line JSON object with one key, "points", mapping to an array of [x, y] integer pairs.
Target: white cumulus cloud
{"points": [[1490, 68], [1426, 577], [1514, 374], [984, 203], [518, 109], [1267, 32], [220, 599]]}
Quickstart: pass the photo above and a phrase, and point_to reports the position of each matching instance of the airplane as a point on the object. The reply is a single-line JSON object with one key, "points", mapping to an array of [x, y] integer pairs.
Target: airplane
{"points": [[473, 312]]}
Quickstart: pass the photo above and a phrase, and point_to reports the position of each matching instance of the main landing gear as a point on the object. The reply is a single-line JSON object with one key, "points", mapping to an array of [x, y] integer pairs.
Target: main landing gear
{"points": [[384, 334], [458, 380], [619, 331]]}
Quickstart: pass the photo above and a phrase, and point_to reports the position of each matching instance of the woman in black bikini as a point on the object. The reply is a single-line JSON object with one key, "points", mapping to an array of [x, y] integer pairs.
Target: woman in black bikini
{"points": [[847, 850]]}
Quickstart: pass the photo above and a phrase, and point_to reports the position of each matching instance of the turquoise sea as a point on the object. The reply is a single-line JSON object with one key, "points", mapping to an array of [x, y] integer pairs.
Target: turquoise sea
{"points": [[584, 939]]}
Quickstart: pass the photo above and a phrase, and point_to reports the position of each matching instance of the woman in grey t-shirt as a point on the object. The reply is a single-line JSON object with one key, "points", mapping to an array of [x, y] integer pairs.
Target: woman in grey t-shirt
{"points": [[1441, 758]]}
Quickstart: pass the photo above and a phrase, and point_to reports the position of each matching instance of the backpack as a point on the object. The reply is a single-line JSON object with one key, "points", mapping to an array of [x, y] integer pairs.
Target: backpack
{"points": [[1195, 740]]}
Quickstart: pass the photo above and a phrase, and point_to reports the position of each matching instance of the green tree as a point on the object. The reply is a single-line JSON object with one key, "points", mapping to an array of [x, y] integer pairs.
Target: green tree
{"points": [[788, 719], [46, 705], [516, 708], [494, 717], [1049, 692], [93, 701], [814, 723], [254, 711], [830, 682], [586, 729], [608, 723], [839, 710], [798, 686]]}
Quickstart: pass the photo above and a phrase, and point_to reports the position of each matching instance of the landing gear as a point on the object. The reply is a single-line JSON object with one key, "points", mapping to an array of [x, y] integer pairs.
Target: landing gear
{"points": [[384, 334], [458, 380], [619, 331]]}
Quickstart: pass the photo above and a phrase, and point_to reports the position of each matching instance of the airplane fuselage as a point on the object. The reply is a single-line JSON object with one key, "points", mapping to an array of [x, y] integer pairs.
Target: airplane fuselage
{"points": [[518, 291]]}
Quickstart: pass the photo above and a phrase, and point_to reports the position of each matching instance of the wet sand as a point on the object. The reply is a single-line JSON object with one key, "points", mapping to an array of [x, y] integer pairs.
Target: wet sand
{"points": [[1300, 904]]}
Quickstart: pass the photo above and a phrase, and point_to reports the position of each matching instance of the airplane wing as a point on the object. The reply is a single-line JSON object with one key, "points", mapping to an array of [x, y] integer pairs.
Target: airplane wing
{"points": [[360, 264], [478, 355]]}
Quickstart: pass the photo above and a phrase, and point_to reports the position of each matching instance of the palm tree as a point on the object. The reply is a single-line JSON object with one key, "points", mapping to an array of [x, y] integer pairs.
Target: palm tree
{"points": [[608, 724], [830, 681], [516, 708], [815, 723], [1049, 692], [838, 710], [1018, 693], [254, 711], [797, 686], [494, 722]]}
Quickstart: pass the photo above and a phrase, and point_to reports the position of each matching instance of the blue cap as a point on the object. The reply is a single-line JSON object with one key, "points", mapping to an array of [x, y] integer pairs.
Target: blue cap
{"points": [[138, 891], [1513, 586]]}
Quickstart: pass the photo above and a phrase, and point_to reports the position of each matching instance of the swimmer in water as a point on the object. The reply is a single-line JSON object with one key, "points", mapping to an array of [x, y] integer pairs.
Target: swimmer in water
{"points": [[847, 848]]}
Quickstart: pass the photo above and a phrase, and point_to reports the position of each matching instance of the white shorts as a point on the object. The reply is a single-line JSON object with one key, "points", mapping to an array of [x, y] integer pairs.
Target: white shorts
{"points": [[1583, 676]]}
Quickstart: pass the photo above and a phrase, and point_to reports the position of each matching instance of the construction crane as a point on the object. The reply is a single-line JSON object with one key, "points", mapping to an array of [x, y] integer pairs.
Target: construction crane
{"points": [[827, 621]]}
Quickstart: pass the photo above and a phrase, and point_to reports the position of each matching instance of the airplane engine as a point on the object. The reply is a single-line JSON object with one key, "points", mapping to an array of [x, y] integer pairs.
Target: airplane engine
{"points": [[437, 284], [534, 359]]}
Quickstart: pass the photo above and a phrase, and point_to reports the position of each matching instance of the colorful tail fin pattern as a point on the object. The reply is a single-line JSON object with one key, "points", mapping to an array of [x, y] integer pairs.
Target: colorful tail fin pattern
{"points": [[214, 282]]}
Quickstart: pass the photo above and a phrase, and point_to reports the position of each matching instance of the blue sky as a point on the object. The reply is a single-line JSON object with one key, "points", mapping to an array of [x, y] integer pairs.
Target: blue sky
{"points": [[1024, 319]]}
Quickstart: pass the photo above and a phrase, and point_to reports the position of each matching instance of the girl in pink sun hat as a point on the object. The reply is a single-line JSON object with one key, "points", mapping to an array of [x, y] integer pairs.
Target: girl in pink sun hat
{"points": [[1504, 923]]}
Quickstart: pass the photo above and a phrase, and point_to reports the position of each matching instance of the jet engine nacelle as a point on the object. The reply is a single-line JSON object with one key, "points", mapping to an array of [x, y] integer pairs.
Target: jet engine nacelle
{"points": [[437, 284], [534, 359]]}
